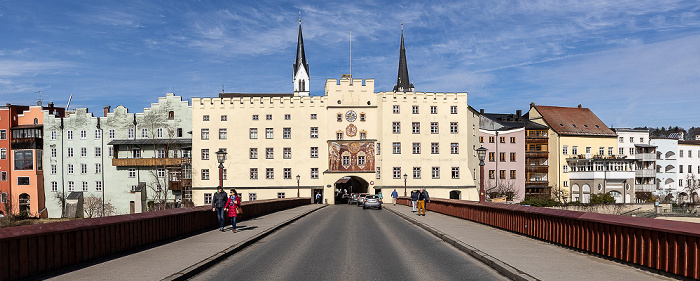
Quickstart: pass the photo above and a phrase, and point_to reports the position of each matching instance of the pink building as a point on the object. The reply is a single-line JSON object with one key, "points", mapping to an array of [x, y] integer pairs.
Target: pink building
{"points": [[504, 137]]}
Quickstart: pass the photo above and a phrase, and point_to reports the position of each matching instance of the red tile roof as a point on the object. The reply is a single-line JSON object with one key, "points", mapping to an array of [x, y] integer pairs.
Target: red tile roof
{"points": [[573, 121]]}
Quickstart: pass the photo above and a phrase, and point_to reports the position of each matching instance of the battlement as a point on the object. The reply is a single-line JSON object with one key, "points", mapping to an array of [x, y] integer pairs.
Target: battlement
{"points": [[259, 102]]}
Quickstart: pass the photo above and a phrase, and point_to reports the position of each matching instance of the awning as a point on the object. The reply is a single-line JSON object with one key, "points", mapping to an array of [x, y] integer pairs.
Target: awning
{"points": [[342, 180]]}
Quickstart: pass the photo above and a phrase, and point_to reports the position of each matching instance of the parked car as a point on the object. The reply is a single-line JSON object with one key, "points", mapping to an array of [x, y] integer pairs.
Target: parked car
{"points": [[372, 201], [353, 198], [361, 199]]}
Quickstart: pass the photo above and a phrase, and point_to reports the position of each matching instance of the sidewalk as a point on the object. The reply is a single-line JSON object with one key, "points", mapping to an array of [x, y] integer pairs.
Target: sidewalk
{"points": [[178, 259], [519, 257]]}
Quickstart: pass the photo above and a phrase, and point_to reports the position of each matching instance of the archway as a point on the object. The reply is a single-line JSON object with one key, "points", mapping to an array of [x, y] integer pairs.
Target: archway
{"points": [[24, 203], [349, 185], [617, 196]]}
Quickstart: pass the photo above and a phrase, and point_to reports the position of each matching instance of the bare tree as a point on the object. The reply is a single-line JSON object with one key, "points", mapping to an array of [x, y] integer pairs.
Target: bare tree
{"points": [[158, 186], [503, 188], [559, 193], [692, 187], [92, 206]]}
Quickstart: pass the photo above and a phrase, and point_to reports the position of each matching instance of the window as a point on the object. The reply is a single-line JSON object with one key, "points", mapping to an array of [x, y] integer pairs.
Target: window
{"points": [[24, 160], [253, 133], [455, 172], [396, 109], [253, 153], [574, 150], [621, 151], [434, 127], [433, 109], [98, 134], [314, 116], [286, 133], [680, 169], [54, 169], [205, 174], [416, 148], [379, 148], [378, 173], [132, 133], [512, 174], [287, 153], [565, 169], [224, 118], [601, 150], [314, 173], [345, 160], [98, 151], [414, 109], [222, 134], [610, 151], [397, 172], [132, 172], [144, 132], [314, 132], [269, 133], [54, 188], [680, 155], [160, 153], [287, 117], [631, 139], [69, 134], [83, 168], [396, 147], [492, 174], [641, 140], [622, 140], [71, 186], [207, 198], [512, 139], [502, 174], [361, 160], [416, 127], [454, 148], [3, 153], [205, 154], [3, 176], [85, 186], [3, 135], [98, 185], [416, 172], [253, 173], [435, 171], [268, 117], [83, 134], [22, 180], [255, 117], [453, 128], [362, 117], [363, 135], [70, 169], [502, 139], [339, 135], [98, 168], [111, 133], [396, 127], [339, 117], [492, 139], [252, 196], [205, 118], [269, 153], [492, 156], [434, 148], [453, 109], [632, 151], [205, 134], [160, 172], [287, 173], [314, 152], [83, 152], [269, 173], [280, 195], [502, 156], [512, 157], [565, 149]]}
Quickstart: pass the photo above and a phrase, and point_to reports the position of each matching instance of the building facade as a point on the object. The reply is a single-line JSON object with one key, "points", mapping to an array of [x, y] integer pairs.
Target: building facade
{"points": [[688, 171], [666, 166], [602, 174], [634, 144], [504, 137]]}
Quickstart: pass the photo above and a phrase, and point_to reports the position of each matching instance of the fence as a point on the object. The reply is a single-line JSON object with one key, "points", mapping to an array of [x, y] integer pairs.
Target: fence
{"points": [[668, 246], [33, 249]]}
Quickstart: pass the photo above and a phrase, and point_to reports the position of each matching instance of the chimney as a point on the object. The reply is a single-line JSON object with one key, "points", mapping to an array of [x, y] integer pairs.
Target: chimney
{"points": [[579, 105], [481, 111], [106, 109], [51, 104], [519, 113], [532, 104]]}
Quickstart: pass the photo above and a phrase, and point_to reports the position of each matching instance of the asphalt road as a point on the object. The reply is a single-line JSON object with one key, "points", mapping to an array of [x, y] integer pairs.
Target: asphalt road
{"points": [[345, 242]]}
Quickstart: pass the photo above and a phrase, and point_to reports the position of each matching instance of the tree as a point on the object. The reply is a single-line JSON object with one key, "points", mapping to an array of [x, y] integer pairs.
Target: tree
{"points": [[92, 206], [692, 187], [602, 198], [560, 194], [503, 188]]}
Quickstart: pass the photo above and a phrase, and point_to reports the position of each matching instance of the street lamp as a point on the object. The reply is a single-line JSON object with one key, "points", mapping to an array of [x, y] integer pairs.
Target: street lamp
{"points": [[220, 157], [405, 176], [481, 152], [298, 177]]}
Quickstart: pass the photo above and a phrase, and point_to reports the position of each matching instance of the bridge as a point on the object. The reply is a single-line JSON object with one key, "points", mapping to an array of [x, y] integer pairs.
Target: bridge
{"points": [[496, 241]]}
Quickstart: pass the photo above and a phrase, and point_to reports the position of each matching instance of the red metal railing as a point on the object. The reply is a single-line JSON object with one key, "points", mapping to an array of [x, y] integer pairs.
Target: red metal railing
{"points": [[669, 246], [32, 249]]}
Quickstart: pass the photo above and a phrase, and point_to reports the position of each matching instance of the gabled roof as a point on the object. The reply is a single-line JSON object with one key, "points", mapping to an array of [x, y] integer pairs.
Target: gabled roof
{"points": [[573, 121]]}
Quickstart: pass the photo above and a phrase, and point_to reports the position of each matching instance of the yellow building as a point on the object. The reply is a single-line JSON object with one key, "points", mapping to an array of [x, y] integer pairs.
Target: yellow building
{"points": [[352, 139], [574, 132]]}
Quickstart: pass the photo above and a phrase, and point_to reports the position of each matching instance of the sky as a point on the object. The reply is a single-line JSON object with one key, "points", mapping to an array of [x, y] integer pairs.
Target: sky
{"points": [[634, 63]]}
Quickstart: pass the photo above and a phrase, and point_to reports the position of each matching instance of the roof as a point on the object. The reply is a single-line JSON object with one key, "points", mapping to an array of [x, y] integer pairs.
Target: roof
{"points": [[301, 55], [534, 125], [243, 95], [693, 142], [574, 121], [643, 145], [508, 121], [403, 84], [32, 126], [74, 195], [151, 141]]}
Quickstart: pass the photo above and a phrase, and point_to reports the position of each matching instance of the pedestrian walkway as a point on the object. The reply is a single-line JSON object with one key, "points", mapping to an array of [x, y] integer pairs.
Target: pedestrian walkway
{"points": [[520, 257], [178, 259]]}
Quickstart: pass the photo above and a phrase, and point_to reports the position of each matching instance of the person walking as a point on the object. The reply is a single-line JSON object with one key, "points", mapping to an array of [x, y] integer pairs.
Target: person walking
{"points": [[218, 205], [318, 197], [414, 200], [233, 203], [422, 199], [394, 195]]}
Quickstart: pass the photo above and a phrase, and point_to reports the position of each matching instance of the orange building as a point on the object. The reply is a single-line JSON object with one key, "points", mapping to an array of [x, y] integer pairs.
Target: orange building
{"points": [[21, 154]]}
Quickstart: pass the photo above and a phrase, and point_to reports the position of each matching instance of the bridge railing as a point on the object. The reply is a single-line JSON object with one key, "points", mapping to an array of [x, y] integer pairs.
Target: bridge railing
{"points": [[669, 246], [32, 249]]}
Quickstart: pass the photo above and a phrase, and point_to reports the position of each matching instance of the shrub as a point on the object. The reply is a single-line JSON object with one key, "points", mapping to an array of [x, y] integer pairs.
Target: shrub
{"points": [[539, 202], [602, 198]]}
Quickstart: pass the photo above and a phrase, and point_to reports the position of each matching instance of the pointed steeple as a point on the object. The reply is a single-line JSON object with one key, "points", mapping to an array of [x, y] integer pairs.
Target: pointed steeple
{"points": [[402, 82], [301, 68]]}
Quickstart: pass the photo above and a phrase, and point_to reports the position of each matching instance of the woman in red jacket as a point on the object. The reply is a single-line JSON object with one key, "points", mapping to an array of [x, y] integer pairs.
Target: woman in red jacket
{"points": [[233, 203]]}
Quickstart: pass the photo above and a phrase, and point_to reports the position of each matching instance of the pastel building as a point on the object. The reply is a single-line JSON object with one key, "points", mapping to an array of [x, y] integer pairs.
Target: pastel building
{"points": [[667, 165], [634, 144], [504, 137], [688, 170]]}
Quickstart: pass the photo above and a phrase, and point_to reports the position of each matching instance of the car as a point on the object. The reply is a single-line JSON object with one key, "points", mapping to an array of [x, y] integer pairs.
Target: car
{"points": [[361, 199], [353, 198], [372, 201]]}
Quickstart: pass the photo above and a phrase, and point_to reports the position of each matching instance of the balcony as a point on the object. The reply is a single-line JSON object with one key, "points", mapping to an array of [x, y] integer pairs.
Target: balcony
{"points": [[536, 169], [536, 183], [536, 154], [178, 185], [27, 143], [645, 173], [542, 140], [645, 156], [147, 162], [645, 187]]}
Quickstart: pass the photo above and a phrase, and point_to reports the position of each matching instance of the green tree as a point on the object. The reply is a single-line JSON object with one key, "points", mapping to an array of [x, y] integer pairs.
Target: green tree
{"points": [[602, 198]]}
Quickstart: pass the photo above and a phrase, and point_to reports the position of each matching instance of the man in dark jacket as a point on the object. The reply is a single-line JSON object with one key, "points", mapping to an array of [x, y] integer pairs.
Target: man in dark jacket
{"points": [[422, 199], [414, 200], [218, 203]]}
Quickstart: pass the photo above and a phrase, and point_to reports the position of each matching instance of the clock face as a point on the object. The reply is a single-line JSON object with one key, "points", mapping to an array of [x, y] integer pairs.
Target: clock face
{"points": [[351, 116]]}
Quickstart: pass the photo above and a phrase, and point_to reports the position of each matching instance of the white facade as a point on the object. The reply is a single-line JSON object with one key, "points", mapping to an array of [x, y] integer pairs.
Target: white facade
{"points": [[666, 164], [688, 168]]}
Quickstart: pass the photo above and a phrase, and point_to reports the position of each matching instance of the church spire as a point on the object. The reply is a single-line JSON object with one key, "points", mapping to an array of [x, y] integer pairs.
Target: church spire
{"points": [[402, 82], [301, 67]]}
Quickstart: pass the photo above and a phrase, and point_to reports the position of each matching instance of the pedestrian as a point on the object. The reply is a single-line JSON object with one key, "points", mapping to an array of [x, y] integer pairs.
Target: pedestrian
{"points": [[233, 204], [422, 199], [394, 195], [318, 197], [414, 200], [218, 205]]}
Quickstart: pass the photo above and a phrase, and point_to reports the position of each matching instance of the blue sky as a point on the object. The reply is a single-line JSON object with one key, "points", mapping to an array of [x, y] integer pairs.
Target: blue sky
{"points": [[634, 63]]}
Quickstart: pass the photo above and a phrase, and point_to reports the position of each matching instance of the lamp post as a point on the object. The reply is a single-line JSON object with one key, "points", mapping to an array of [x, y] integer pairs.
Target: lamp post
{"points": [[220, 157], [481, 152], [298, 178], [405, 176]]}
